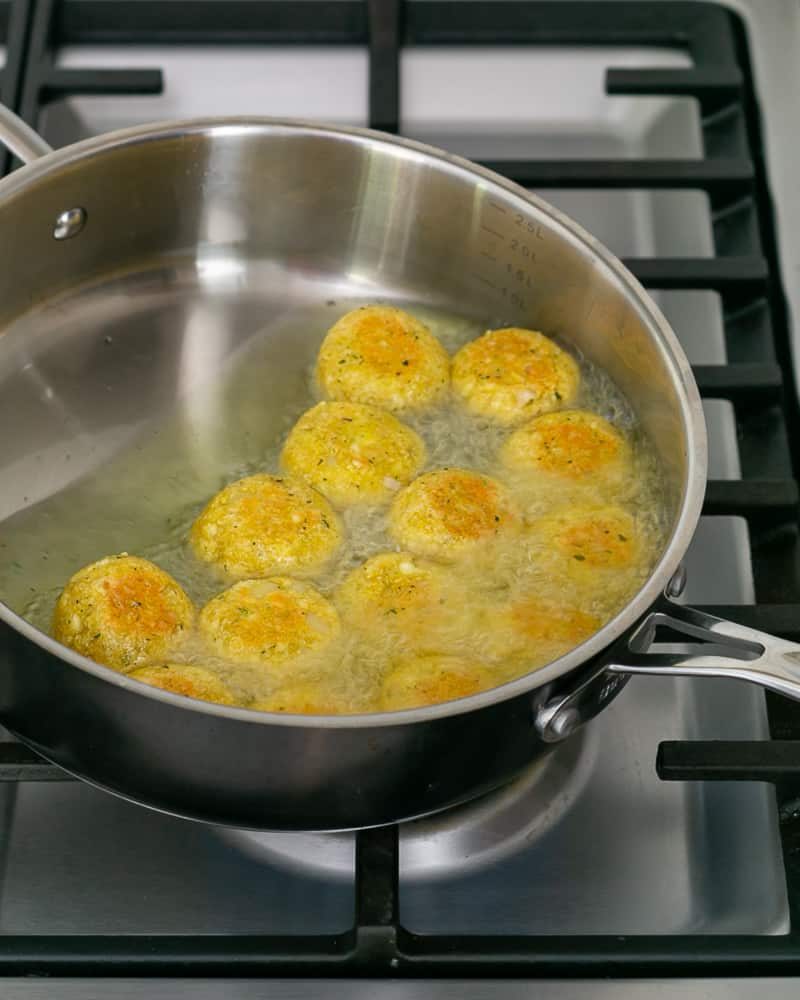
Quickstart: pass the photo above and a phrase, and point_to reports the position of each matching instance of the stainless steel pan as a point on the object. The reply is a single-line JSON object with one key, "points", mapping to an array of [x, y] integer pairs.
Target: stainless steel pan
{"points": [[180, 232]]}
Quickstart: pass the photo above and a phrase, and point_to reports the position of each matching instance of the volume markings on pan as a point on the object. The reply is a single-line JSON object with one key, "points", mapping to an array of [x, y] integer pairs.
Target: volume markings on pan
{"points": [[510, 254]]}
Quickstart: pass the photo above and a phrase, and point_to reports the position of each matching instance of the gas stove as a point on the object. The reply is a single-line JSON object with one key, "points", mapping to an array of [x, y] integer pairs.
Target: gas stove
{"points": [[667, 130]]}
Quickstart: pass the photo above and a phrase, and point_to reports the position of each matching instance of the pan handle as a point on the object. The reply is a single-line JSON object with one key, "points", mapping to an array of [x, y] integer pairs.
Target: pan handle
{"points": [[712, 647], [18, 137]]}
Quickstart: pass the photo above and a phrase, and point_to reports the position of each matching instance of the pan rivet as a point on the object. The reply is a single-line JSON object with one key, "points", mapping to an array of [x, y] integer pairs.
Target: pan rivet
{"points": [[69, 223], [564, 723], [677, 584]]}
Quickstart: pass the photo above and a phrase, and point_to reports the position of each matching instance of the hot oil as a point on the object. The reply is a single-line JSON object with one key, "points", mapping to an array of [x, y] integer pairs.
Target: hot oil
{"points": [[228, 431]]}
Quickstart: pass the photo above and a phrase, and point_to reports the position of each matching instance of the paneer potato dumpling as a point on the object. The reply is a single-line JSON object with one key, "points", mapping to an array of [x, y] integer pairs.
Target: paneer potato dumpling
{"points": [[570, 444], [385, 357], [353, 453], [431, 678], [510, 375], [395, 591], [596, 537], [122, 611], [269, 622], [300, 698], [188, 680], [264, 525], [545, 621], [447, 513], [534, 630]]}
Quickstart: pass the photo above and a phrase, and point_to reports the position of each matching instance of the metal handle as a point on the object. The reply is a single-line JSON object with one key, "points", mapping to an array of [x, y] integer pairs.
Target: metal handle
{"points": [[717, 648], [17, 136], [721, 649]]}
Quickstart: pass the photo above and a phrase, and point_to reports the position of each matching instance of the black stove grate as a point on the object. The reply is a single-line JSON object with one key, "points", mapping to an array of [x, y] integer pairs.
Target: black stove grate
{"points": [[15, 16], [757, 379]]}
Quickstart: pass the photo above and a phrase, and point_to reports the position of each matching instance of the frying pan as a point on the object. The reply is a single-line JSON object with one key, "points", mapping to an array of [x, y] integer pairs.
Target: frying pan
{"points": [[131, 259]]}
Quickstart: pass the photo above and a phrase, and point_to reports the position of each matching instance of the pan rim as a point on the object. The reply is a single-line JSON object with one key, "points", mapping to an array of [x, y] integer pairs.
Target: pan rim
{"points": [[693, 490]]}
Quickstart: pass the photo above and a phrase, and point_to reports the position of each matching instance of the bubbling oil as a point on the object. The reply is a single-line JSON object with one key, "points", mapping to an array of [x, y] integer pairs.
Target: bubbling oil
{"points": [[476, 607]]}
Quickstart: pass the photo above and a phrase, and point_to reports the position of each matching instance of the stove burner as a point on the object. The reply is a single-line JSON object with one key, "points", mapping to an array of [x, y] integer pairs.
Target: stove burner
{"points": [[459, 841]]}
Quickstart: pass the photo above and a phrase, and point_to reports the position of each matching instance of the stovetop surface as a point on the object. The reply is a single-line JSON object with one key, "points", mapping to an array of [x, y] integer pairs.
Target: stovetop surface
{"points": [[302, 989], [624, 853]]}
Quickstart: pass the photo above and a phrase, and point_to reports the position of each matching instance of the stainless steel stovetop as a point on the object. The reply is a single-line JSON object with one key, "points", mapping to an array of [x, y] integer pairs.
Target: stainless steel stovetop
{"points": [[590, 843]]}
